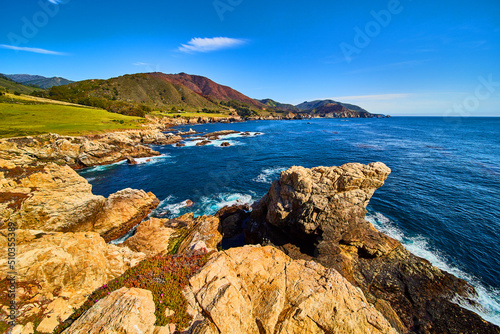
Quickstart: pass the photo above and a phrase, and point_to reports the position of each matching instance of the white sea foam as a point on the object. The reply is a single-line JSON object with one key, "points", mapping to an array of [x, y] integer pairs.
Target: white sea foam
{"points": [[488, 298], [122, 239], [210, 205], [103, 167], [152, 160], [268, 175]]}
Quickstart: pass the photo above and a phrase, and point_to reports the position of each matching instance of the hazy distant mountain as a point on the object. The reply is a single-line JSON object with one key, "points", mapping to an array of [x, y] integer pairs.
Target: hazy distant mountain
{"points": [[12, 86], [279, 106], [307, 106], [322, 108], [38, 80]]}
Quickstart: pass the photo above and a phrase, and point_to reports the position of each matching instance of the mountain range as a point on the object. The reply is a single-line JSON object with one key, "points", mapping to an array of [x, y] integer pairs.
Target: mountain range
{"points": [[38, 80], [139, 94]]}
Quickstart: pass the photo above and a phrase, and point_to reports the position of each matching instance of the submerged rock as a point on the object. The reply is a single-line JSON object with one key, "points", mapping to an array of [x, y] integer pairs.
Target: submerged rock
{"points": [[319, 214], [261, 290], [203, 143]]}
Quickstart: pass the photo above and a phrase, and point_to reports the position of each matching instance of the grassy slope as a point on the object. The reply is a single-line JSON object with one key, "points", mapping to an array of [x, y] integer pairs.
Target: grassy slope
{"points": [[22, 118], [15, 87], [135, 89]]}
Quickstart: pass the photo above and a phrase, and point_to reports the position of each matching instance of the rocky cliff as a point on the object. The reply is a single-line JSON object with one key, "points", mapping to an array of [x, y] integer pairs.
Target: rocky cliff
{"points": [[325, 269], [318, 214]]}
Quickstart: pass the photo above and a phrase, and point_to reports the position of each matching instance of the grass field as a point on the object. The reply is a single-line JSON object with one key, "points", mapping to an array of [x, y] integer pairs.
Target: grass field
{"points": [[17, 119]]}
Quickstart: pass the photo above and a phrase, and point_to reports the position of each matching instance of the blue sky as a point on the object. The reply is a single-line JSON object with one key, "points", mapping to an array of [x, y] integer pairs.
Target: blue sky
{"points": [[395, 57]]}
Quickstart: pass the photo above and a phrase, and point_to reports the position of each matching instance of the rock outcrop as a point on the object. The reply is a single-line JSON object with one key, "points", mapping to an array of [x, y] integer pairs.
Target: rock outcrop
{"points": [[319, 214], [261, 290], [55, 198], [185, 233], [87, 151], [123, 311], [57, 271]]}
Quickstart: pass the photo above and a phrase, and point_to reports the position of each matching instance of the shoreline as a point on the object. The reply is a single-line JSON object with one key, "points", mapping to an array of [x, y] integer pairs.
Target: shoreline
{"points": [[43, 161]]}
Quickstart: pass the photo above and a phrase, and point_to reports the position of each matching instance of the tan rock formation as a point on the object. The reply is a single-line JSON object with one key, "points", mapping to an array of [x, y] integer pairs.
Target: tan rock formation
{"points": [[261, 290], [181, 234], [57, 271], [56, 198], [123, 311], [83, 151], [319, 214]]}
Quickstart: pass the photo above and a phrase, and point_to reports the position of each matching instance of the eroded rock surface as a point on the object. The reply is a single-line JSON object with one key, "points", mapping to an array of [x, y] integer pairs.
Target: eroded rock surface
{"points": [[57, 271], [185, 233], [261, 290], [55, 198], [123, 311], [83, 151], [319, 214]]}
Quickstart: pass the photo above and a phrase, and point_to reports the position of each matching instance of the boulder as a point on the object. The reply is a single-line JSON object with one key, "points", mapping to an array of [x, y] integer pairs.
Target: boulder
{"points": [[57, 271], [127, 310], [203, 143], [319, 214], [225, 144], [77, 152], [185, 233], [55, 198], [122, 211], [261, 290]]}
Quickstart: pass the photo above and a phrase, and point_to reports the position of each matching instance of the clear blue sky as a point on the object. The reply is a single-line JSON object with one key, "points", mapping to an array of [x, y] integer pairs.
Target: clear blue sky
{"points": [[420, 57]]}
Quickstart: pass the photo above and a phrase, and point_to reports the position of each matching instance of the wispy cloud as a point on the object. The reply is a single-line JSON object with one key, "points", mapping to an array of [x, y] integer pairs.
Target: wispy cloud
{"points": [[34, 50], [55, 2], [210, 44], [140, 63]]}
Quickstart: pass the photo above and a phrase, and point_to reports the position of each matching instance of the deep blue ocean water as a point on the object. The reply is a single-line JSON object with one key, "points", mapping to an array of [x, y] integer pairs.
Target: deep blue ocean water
{"points": [[441, 200]]}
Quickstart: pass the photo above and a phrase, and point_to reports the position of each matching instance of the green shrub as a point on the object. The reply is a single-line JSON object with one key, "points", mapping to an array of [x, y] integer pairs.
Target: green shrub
{"points": [[165, 276]]}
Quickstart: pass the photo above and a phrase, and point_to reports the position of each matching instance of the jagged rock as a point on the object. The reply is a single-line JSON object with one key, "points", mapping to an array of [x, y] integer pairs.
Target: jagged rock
{"points": [[225, 144], [261, 290], [78, 151], [319, 214], [123, 311], [184, 233], [232, 219], [58, 270], [56, 198], [203, 143], [131, 161], [219, 133], [122, 211], [152, 237]]}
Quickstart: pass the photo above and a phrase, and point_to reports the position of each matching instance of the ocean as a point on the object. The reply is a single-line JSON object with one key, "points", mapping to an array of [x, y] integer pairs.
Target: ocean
{"points": [[441, 200]]}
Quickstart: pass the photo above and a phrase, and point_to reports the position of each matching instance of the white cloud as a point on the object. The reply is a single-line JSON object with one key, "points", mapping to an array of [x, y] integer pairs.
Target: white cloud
{"points": [[210, 44], [55, 2], [140, 63], [34, 50]]}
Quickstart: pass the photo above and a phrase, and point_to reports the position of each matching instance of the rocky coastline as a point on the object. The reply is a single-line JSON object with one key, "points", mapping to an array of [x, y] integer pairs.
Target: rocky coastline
{"points": [[311, 263]]}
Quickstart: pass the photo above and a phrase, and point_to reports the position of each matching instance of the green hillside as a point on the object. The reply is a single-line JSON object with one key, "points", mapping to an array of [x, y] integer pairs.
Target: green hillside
{"points": [[11, 86], [136, 95], [23, 116]]}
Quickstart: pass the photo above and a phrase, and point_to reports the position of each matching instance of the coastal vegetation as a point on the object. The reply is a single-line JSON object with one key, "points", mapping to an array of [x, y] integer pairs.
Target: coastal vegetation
{"points": [[165, 276], [28, 116]]}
